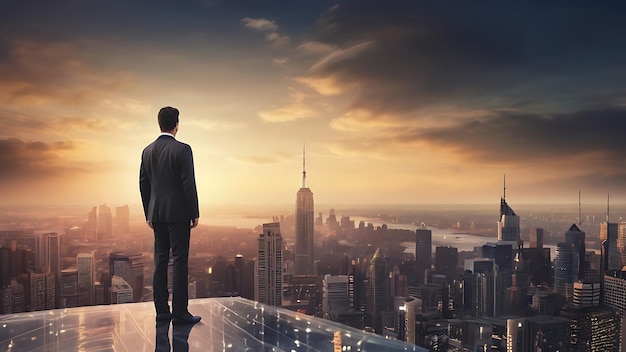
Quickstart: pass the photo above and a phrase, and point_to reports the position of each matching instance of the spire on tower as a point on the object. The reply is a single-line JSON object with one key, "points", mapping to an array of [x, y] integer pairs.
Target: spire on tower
{"points": [[303, 165], [504, 195]]}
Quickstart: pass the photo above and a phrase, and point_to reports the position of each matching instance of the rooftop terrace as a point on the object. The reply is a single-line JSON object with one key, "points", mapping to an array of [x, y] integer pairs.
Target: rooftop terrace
{"points": [[228, 324]]}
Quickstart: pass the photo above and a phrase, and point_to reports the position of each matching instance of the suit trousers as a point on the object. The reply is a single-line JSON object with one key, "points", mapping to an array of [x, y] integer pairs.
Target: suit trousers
{"points": [[174, 236]]}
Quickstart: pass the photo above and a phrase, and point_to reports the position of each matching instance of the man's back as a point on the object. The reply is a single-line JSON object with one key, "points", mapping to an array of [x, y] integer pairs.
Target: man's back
{"points": [[167, 182]]}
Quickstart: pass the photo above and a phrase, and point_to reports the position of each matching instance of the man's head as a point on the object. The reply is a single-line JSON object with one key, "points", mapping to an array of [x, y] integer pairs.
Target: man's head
{"points": [[168, 119]]}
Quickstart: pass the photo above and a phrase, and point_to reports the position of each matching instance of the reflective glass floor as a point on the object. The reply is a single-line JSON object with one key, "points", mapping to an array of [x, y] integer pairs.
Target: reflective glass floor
{"points": [[228, 324]]}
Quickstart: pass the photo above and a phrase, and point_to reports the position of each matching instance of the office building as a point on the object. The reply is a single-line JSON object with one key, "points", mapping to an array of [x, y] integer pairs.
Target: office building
{"points": [[269, 287], [609, 232], [304, 260], [42, 290], [334, 295], [121, 291], [593, 329], [68, 292], [446, 262], [423, 254], [105, 223], [130, 268], [615, 297], [536, 238], [85, 266], [122, 220], [378, 292], [586, 294], [91, 229], [509, 224]]}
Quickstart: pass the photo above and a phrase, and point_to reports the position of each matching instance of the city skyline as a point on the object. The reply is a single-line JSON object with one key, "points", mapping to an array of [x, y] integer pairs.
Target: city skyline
{"points": [[399, 103]]}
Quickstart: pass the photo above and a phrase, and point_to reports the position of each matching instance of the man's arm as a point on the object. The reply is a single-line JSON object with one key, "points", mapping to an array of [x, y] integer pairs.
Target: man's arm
{"points": [[189, 183], [144, 187]]}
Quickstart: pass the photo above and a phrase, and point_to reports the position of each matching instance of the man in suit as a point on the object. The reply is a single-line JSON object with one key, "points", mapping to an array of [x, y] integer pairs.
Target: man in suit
{"points": [[170, 203]]}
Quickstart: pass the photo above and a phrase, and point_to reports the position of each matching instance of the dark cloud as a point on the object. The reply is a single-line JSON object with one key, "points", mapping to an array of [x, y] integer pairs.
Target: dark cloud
{"points": [[517, 137], [477, 54], [22, 161], [594, 187]]}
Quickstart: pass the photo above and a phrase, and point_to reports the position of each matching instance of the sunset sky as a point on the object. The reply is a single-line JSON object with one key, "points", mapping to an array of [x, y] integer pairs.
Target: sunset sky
{"points": [[396, 101]]}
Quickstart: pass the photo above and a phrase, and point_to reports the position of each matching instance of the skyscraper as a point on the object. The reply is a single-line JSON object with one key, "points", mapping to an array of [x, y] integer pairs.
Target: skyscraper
{"points": [[122, 220], [378, 293], [86, 278], [609, 233], [423, 253], [269, 288], [446, 262], [335, 295], [508, 226], [130, 268], [105, 223], [304, 261], [92, 223]]}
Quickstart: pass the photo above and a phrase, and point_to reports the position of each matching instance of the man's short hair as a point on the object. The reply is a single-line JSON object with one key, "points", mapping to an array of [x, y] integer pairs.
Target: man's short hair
{"points": [[168, 118]]}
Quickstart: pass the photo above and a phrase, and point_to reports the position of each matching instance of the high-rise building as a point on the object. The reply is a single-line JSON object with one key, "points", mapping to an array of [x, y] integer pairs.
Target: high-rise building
{"points": [[105, 223], [334, 295], [121, 291], [423, 253], [446, 261], [304, 260], [42, 290], [621, 241], [586, 294], [508, 226], [5, 266], [536, 238], [50, 252], [122, 220], [269, 287], [378, 292], [563, 276], [85, 264], [609, 232], [69, 288], [92, 223], [130, 268], [593, 329]]}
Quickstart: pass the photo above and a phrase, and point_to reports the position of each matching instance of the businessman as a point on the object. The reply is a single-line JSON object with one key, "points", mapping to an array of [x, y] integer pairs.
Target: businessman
{"points": [[170, 203]]}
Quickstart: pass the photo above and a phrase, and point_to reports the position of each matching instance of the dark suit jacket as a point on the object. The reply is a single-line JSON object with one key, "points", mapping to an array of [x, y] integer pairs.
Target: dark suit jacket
{"points": [[167, 182]]}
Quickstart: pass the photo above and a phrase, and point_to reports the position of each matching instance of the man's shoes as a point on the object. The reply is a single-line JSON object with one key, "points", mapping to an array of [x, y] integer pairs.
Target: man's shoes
{"points": [[163, 317], [186, 318]]}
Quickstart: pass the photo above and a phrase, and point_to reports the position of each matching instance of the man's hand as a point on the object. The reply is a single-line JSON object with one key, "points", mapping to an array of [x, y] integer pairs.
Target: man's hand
{"points": [[149, 224], [194, 222]]}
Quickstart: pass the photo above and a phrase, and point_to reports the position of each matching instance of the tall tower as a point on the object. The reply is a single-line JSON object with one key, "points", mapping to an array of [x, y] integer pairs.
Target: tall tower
{"points": [[508, 226], [269, 271], [122, 220], [378, 293], [423, 253], [86, 266], [105, 223], [304, 261]]}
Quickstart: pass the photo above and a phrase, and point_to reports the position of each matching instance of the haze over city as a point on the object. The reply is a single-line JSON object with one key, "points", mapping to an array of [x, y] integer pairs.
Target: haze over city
{"points": [[397, 102]]}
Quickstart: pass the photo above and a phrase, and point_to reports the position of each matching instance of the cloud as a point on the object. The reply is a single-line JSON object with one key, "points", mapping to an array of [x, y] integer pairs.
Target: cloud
{"points": [[591, 138], [263, 25], [277, 39], [404, 56], [296, 109], [35, 73], [277, 157], [23, 160], [596, 134], [259, 24], [315, 47]]}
